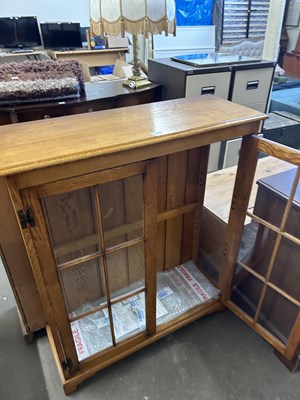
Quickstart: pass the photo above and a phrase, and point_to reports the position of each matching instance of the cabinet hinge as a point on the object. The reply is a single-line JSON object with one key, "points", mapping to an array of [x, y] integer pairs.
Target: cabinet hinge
{"points": [[26, 218], [67, 364]]}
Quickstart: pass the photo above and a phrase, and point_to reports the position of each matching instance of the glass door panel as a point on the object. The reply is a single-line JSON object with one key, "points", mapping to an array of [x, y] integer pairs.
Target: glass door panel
{"points": [[83, 287], [126, 272], [256, 245], [278, 315], [245, 291], [265, 289], [122, 220], [122, 210], [72, 224], [97, 238], [92, 334]]}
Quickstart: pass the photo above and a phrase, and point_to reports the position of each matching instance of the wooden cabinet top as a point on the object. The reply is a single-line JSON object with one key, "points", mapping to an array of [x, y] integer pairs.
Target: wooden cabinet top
{"points": [[165, 127]]}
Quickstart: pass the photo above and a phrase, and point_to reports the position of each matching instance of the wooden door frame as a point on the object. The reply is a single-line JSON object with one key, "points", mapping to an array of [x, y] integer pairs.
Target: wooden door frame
{"points": [[251, 146], [44, 266]]}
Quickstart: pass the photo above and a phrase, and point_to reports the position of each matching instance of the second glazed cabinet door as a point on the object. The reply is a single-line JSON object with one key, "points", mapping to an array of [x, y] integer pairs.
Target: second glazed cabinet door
{"points": [[93, 241]]}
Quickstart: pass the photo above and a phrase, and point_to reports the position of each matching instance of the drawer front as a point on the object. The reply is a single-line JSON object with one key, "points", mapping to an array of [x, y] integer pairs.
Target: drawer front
{"points": [[217, 83], [63, 110], [252, 86]]}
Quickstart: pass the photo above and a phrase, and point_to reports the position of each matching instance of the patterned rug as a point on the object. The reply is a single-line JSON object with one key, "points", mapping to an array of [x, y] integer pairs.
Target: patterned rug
{"points": [[32, 81]]}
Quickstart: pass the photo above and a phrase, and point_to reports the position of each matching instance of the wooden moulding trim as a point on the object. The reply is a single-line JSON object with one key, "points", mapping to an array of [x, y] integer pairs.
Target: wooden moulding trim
{"points": [[269, 284], [78, 261], [277, 344], [105, 161], [176, 212], [150, 217], [239, 204], [92, 179], [201, 185], [119, 231], [277, 150], [107, 357], [222, 130], [81, 260], [93, 239]]}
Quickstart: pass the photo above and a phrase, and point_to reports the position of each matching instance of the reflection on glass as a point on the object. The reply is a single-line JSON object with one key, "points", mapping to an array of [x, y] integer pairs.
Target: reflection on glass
{"points": [[272, 195], [83, 286], [246, 291], [286, 271], [72, 224], [256, 247], [91, 334], [122, 210], [278, 315], [125, 267]]}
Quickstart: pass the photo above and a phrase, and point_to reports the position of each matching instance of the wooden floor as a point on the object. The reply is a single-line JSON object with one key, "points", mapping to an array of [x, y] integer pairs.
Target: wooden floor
{"points": [[219, 185]]}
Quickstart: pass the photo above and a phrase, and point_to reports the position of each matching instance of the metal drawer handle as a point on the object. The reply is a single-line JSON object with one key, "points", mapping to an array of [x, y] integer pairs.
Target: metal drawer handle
{"points": [[252, 85], [47, 116], [208, 90]]}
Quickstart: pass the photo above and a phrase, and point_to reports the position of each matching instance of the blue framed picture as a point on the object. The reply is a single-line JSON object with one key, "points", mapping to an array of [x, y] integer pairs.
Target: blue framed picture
{"points": [[194, 12]]}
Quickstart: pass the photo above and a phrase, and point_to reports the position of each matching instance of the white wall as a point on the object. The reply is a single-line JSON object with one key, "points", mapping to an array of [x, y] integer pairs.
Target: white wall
{"points": [[48, 10]]}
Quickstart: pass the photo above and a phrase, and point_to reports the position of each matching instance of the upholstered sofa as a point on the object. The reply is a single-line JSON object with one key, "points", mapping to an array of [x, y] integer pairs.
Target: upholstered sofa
{"points": [[247, 47]]}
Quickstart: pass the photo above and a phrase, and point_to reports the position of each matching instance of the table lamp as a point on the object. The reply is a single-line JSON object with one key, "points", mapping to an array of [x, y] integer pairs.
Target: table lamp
{"points": [[115, 17]]}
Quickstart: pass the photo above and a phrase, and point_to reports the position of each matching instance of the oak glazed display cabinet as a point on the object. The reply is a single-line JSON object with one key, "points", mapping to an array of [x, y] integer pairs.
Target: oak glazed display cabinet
{"points": [[109, 207]]}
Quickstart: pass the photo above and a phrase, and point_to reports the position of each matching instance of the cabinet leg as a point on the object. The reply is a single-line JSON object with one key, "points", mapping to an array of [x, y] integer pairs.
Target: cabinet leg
{"points": [[27, 335], [69, 388], [292, 365]]}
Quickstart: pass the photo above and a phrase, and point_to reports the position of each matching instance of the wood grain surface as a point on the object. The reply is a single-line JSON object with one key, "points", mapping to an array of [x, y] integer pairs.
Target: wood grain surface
{"points": [[40, 144]]}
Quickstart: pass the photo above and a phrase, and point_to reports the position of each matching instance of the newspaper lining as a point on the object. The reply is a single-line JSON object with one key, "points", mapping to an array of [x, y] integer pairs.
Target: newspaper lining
{"points": [[178, 290]]}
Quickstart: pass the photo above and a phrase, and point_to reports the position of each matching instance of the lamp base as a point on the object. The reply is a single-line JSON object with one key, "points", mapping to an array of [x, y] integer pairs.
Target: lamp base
{"points": [[136, 82]]}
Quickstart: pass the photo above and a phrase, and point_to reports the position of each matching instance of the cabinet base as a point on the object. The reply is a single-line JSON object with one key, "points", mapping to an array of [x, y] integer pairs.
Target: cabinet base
{"points": [[292, 365], [96, 363]]}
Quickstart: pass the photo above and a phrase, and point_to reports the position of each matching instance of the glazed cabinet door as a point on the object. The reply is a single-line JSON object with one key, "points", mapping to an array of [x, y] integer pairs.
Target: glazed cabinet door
{"points": [[92, 252], [260, 272]]}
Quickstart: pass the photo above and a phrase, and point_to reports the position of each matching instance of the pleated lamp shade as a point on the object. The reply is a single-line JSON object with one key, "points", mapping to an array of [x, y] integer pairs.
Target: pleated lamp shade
{"points": [[115, 17]]}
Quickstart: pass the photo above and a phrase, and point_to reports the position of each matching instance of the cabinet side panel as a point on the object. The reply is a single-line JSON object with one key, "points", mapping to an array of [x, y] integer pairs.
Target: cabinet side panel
{"points": [[17, 265], [177, 173]]}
